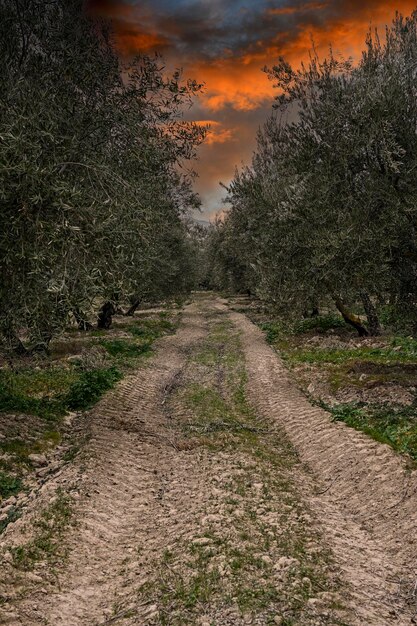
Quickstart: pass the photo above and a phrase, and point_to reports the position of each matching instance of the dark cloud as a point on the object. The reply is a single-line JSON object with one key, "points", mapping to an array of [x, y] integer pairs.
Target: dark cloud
{"points": [[225, 43]]}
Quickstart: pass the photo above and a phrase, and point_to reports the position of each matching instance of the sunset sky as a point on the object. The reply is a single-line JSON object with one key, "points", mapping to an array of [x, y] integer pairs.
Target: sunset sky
{"points": [[225, 44]]}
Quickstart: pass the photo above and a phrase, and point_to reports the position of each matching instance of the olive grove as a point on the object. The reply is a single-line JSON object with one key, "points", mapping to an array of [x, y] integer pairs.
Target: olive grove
{"points": [[327, 211], [94, 187]]}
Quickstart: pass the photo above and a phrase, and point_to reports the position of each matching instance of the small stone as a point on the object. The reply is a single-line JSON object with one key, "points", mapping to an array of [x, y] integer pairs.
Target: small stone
{"points": [[278, 619], [201, 541], [3, 517], [34, 578], [311, 388], [38, 460], [8, 557], [284, 562]]}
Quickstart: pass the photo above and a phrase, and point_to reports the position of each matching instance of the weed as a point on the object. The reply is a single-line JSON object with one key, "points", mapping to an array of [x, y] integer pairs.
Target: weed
{"points": [[46, 545], [9, 485], [395, 426], [343, 355], [152, 329], [320, 323], [125, 348], [12, 516], [90, 387]]}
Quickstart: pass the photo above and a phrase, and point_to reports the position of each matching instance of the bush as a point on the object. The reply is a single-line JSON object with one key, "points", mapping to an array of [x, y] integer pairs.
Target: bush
{"points": [[321, 323], [90, 387], [9, 485]]}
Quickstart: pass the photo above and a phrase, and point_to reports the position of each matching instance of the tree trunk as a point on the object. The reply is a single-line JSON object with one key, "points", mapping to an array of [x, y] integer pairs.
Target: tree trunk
{"points": [[81, 319], [105, 316], [16, 346], [351, 318], [371, 314], [130, 312]]}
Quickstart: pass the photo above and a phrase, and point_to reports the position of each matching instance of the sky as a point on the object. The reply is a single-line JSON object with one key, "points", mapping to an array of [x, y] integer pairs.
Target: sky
{"points": [[225, 44]]}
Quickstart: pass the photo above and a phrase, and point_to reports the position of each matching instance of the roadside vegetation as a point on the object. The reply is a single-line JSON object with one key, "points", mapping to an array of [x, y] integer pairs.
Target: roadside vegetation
{"points": [[37, 396], [95, 176], [368, 384], [325, 216]]}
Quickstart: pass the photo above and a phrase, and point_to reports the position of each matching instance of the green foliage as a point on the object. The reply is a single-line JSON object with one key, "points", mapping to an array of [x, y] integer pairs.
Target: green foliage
{"points": [[344, 355], [47, 544], [121, 347], [273, 331], [152, 329], [67, 390], [327, 209], [36, 392], [94, 192], [9, 485], [320, 322], [90, 387], [395, 426], [276, 329]]}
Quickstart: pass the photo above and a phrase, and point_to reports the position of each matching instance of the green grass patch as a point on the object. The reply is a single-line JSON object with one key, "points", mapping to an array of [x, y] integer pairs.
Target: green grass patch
{"points": [[278, 329], [341, 355], [90, 386], [395, 426], [36, 392], [152, 329], [64, 390], [125, 348], [47, 545], [321, 323], [9, 485]]}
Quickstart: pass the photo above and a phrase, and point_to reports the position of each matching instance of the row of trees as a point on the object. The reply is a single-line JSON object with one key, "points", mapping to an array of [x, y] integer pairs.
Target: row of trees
{"points": [[328, 208], [94, 183]]}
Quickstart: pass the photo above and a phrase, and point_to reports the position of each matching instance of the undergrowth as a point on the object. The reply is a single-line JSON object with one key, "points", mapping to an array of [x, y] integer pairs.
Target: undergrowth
{"points": [[395, 426], [48, 389], [9, 485], [356, 369], [49, 528]]}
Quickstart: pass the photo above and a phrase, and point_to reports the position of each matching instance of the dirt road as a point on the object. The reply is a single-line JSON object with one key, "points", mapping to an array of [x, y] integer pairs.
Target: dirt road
{"points": [[211, 492]]}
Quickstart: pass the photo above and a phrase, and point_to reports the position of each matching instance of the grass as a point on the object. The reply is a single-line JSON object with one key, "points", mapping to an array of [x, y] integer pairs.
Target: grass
{"points": [[362, 367], [90, 386], [343, 355], [152, 329], [47, 544], [49, 389], [9, 485], [395, 426], [125, 348], [278, 329], [67, 390]]}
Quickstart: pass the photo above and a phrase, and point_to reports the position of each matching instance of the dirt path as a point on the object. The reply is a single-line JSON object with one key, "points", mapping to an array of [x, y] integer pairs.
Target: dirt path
{"points": [[211, 492]]}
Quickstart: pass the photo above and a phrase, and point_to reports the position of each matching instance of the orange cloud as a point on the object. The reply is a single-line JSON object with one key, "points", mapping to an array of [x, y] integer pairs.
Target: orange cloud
{"points": [[130, 42], [216, 133], [229, 58]]}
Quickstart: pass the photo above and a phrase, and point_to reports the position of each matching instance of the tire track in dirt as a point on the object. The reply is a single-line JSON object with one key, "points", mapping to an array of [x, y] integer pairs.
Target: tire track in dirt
{"points": [[366, 495], [131, 460], [141, 494]]}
